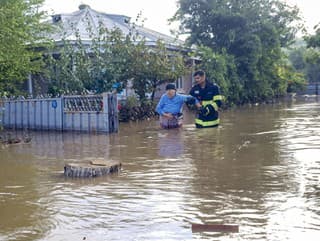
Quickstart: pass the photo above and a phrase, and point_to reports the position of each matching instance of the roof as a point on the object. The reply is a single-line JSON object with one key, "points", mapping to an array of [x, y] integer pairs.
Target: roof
{"points": [[66, 26]]}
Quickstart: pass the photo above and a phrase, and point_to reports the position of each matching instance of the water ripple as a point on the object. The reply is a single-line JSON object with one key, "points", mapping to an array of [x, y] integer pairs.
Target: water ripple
{"points": [[260, 170]]}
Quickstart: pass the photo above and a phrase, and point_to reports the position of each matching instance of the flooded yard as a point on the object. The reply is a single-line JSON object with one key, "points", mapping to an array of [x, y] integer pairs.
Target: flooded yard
{"points": [[260, 169]]}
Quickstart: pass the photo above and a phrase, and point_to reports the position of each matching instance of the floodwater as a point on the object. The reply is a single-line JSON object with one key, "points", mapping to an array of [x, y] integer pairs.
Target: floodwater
{"points": [[260, 170]]}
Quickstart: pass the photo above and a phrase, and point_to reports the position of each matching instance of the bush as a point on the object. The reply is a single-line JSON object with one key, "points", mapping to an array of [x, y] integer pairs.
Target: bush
{"points": [[131, 110]]}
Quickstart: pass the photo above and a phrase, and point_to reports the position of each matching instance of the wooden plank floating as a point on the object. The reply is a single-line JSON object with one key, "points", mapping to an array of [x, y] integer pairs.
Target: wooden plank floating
{"points": [[214, 228], [94, 168]]}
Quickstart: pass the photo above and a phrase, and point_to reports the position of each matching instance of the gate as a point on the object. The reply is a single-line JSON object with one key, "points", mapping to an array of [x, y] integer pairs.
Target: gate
{"points": [[94, 113]]}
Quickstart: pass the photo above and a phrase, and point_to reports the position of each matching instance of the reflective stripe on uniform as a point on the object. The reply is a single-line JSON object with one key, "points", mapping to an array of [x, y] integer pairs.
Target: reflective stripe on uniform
{"points": [[217, 97], [207, 123], [207, 102], [210, 102], [215, 106]]}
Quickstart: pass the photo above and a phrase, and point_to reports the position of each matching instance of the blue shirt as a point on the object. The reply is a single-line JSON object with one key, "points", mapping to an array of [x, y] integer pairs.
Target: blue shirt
{"points": [[172, 105]]}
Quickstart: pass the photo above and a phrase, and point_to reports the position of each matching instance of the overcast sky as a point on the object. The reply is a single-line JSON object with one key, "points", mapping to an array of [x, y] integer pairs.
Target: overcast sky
{"points": [[156, 12], [309, 10]]}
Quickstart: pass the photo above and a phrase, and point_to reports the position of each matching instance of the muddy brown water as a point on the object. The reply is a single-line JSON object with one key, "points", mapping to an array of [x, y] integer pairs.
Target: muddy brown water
{"points": [[259, 170]]}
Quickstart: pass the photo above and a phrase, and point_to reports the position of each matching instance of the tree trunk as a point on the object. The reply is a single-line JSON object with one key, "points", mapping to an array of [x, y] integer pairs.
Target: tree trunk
{"points": [[93, 169]]}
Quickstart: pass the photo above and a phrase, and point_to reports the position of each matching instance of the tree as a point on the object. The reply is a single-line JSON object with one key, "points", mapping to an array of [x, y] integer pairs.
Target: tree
{"points": [[21, 38], [153, 66], [313, 57], [221, 69], [313, 41], [113, 59], [313, 44], [306, 62], [251, 31]]}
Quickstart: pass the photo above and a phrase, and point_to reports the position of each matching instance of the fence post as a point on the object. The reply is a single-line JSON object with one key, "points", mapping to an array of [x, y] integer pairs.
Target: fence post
{"points": [[1, 114], [105, 111], [113, 112], [110, 112]]}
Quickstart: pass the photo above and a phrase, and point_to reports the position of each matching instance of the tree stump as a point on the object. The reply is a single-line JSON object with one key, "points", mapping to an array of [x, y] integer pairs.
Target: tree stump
{"points": [[94, 168]]}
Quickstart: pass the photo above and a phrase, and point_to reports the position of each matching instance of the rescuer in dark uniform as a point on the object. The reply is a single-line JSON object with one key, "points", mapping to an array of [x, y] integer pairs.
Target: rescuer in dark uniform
{"points": [[208, 95]]}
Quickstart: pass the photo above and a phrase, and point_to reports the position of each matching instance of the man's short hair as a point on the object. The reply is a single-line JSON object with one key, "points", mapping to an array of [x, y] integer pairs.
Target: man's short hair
{"points": [[199, 72]]}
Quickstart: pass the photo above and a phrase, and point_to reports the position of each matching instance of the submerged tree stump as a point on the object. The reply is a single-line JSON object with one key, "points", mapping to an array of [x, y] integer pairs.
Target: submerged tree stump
{"points": [[94, 168]]}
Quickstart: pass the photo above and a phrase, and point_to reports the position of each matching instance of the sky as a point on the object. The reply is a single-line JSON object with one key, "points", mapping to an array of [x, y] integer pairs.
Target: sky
{"points": [[157, 12], [309, 11]]}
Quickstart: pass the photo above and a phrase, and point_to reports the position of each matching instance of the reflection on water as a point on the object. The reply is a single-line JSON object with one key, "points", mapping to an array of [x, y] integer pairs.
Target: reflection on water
{"points": [[170, 143], [259, 169]]}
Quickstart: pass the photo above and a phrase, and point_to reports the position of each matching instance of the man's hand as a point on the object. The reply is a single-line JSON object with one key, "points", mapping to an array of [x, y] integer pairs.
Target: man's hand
{"points": [[168, 115], [190, 101], [203, 111], [206, 110]]}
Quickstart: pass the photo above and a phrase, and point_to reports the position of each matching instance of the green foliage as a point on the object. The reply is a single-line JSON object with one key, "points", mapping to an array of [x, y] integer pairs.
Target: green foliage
{"points": [[297, 82], [113, 58], [20, 39], [133, 109], [221, 69], [292, 80], [132, 101], [153, 66], [312, 56], [249, 34], [313, 41], [306, 61], [297, 59]]}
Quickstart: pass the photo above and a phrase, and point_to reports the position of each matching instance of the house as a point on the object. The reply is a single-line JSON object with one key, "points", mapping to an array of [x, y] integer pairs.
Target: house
{"points": [[66, 26]]}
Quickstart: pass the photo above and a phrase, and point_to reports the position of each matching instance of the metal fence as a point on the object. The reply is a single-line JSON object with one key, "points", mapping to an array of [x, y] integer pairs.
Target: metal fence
{"points": [[1, 113], [95, 113]]}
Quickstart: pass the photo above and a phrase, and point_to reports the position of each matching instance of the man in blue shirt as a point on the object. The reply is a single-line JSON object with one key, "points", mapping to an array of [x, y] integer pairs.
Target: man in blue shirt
{"points": [[170, 105]]}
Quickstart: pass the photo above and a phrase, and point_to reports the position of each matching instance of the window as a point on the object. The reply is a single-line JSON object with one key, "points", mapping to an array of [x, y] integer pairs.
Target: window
{"points": [[179, 83]]}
